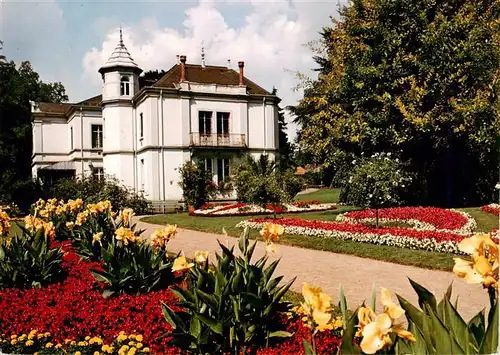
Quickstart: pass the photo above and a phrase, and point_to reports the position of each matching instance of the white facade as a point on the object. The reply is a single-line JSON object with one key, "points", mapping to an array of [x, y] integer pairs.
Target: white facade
{"points": [[149, 133]]}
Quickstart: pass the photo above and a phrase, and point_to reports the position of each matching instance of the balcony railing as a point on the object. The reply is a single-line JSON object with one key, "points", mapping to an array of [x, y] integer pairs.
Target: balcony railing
{"points": [[231, 140]]}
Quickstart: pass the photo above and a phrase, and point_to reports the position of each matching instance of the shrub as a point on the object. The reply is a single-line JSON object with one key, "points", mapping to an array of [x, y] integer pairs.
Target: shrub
{"points": [[134, 266], [259, 182], [28, 260], [233, 308], [92, 191], [376, 182], [197, 184]]}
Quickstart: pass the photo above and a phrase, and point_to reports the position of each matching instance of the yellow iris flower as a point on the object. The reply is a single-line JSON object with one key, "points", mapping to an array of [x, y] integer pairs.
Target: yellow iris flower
{"points": [[181, 264], [483, 266], [201, 256], [271, 231], [375, 329]]}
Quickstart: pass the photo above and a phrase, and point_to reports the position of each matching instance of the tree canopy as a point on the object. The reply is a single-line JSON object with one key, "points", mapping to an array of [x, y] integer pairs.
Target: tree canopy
{"points": [[418, 78], [18, 86]]}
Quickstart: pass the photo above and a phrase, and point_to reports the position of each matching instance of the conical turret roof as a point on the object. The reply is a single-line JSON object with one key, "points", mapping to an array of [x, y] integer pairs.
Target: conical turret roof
{"points": [[120, 57]]}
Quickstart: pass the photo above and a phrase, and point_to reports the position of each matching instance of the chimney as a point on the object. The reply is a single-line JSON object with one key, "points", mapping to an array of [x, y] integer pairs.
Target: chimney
{"points": [[241, 65], [183, 68]]}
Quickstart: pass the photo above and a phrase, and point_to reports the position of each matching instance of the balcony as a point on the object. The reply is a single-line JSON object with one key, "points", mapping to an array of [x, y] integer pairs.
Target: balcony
{"points": [[215, 140]]}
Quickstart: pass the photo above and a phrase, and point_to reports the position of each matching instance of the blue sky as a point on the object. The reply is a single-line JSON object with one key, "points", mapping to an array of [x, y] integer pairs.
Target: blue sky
{"points": [[67, 41]]}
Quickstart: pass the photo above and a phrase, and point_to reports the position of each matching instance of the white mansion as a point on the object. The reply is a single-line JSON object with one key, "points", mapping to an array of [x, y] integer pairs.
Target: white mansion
{"points": [[142, 135]]}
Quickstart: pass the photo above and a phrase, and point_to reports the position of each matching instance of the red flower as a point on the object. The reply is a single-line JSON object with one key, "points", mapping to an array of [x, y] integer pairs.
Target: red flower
{"points": [[492, 208]]}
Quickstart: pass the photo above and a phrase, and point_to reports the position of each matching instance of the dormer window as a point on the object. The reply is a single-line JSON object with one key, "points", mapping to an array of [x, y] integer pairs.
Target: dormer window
{"points": [[124, 86]]}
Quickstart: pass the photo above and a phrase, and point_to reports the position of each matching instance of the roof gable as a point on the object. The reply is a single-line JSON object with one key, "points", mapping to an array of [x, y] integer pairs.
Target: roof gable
{"points": [[208, 75]]}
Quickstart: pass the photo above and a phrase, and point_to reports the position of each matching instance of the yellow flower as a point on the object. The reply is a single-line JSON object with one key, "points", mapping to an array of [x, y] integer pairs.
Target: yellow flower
{"points": [[78, 353], [58, 346], [97, 353], [105, 347], [145, 350], [181, 264], [81, 218], [13, 341], [13, 336], [138, 345], [392, 309], [271, 231], [121, 337], [97, 237], [30, 342], [110, 350], [73, 343], [316, 306], [201, 256], [87, 338], [138, 337], [160, 237], [126, 235], [131, 343], [49, 345], [375, 329], [126, 216], [132, 351], [70, 225], [131, 336], [82, 343], [483, 268]]}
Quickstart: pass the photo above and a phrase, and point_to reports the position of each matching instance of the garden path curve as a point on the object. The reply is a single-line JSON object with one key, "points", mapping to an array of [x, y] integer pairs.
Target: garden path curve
{"points": [[329, 270]]}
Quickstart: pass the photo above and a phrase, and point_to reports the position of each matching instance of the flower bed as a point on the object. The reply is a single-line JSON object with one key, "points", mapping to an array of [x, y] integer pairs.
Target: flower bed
{"points": [[244, 209], [421, 218], [430, 240], [492, 208], [75, 309]]}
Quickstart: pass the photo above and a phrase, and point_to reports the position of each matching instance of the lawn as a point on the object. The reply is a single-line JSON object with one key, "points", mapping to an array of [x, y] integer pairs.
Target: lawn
{"points": [[324, 195]]}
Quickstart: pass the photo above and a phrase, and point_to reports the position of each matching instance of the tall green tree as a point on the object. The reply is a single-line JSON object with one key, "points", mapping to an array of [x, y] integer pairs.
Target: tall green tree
{"points": [[18, 86], [417, 77]]}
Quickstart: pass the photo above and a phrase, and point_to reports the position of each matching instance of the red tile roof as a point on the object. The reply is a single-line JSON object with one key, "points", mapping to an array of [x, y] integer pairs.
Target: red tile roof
{"points": [[93, 101], [208, 75]]}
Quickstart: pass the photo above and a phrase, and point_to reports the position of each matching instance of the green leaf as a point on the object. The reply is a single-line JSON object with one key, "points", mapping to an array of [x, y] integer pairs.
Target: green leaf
{"points": [[195, 327], [343, 303], [444, 341], [171, 317], [107, 293], [477, 326], [101, 276], [280, 334], [211, 323], [448, 292], [424, 295], [308, 350], [490, 342], [210, 300], [459, 328], [347, 347], [373, 298]]}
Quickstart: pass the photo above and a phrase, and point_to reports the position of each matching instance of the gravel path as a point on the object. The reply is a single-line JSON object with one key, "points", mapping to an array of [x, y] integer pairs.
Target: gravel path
{"points": [[329, 270]]}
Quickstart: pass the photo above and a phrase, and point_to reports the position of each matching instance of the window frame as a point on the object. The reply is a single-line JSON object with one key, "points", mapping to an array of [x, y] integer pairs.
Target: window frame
{"points": [[124, 85], [222, 115], [96, 146], [98, 173], [226, 163], [202, 122], [141, 126]]}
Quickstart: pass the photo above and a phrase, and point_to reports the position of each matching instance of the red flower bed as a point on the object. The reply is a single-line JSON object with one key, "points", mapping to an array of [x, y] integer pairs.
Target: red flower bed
{"points": [[75, 308], [363, 229], [492, 208], [438, 217]]}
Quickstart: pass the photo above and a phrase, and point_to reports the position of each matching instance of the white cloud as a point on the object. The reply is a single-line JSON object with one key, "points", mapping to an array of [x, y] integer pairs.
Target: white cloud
{"points": [[271, 40]]}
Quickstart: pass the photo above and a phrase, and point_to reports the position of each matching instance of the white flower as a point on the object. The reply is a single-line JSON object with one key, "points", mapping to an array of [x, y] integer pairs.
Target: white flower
{"points": [[354, 161], [388, 197], [370, 195], [497, 186], [369, 176], [389, 154]]}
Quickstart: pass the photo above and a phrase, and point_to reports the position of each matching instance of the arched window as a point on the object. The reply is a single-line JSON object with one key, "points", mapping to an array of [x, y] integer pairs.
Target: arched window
{"points": [[124, 86]]}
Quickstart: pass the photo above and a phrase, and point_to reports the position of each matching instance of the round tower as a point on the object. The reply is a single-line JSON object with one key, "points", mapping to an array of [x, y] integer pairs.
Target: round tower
{"points": [[120, 76]]}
